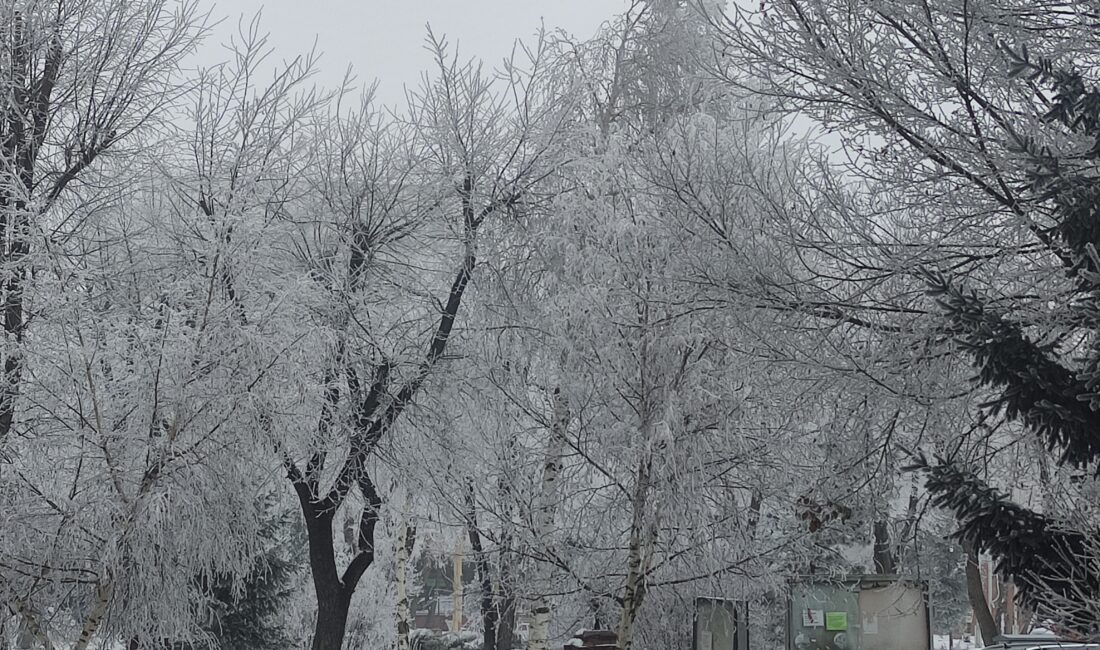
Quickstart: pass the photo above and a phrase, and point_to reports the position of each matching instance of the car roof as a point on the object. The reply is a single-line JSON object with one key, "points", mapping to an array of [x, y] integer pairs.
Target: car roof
{"points": [[1036, 644]]}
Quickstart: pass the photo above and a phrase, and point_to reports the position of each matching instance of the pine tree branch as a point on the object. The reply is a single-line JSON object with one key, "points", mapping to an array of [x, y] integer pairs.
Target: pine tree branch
{"points": [[1044, 558], [1035, 388]]}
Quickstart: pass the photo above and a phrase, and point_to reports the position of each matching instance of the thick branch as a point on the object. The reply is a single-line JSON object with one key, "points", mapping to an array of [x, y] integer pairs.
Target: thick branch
{"points": [[368, 519], [372, 426]]}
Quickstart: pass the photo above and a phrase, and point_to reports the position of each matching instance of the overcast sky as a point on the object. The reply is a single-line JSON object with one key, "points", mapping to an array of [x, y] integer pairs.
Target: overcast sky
{"points": [[384, 39]]}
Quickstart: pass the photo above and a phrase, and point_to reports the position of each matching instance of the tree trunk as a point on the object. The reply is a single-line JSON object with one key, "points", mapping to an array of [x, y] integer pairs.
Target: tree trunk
{"points": [[376, 409], [95, 617], [540, 624], [406, 539], [505, 595], [27, 121], [637, 568], [597, 617], [643, 526], [544, 513], [1006, 607], [986, 624], [458, 588], [1024, 620], [506, 628], [638, 556], [506, 598], [755, 502], [884, 559], [332, 620], [332, 590], [489, 614], [333, 598], [31, 634]]}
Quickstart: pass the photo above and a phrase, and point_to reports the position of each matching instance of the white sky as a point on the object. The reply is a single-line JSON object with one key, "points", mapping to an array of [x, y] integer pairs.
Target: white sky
{"points": [[384, 39]]}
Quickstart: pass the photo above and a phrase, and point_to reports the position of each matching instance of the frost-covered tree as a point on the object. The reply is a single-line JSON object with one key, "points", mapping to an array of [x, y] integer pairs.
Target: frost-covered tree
{"points": [[406, 202], [981, 184], [80, 80], [103, 434], [635, 458]]}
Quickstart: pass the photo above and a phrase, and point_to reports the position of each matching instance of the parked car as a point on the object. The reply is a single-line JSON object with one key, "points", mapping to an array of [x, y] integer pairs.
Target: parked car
{"points": [[1037, 642]]}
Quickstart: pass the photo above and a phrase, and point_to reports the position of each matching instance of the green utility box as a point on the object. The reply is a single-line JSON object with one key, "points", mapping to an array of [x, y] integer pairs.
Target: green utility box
{"points": [[866, 612]]}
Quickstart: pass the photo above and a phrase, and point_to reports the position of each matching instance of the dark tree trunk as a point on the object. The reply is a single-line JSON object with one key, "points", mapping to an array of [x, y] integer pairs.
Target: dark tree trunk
{"points": [[19, 149], [332, 590], [489, 614], [333, 598], [885, 562], [506, 597], [506, 629], [597, 617], [332, 619], [754, 514]]}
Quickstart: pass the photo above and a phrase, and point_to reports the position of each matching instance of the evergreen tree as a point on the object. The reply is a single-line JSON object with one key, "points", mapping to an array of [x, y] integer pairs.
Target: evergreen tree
{"points": [[1035, 365], [249, 615]]}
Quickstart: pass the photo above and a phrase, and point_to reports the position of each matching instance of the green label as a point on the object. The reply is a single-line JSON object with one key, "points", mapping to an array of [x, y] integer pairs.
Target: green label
{"points": [[836, 621]]}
